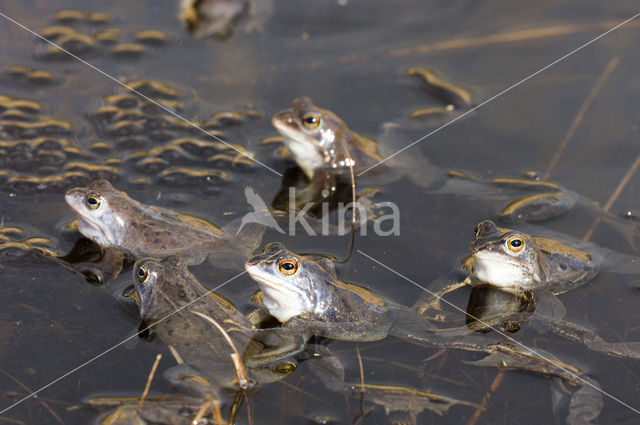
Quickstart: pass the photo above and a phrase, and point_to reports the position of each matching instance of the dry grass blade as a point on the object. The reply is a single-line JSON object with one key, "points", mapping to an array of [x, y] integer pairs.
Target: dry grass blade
{"points": [[149, 379], [216, 411], [11, 420], [42, 402], [249, 410], [201, 412], [611, 66], [361, 371], [625, 180], [241, 373], [510, 37], [353, 205], [175, 354]]}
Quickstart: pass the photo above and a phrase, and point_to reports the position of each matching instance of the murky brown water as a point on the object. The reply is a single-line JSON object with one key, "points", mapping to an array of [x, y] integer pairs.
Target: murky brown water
{"points": [[76, 125]]}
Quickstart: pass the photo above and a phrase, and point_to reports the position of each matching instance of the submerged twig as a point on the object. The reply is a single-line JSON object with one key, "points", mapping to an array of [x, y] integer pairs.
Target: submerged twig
{"points": [[241, 372], [361, 374], [216, 411], [11, 420], [149, 379], [625, 179], [175, 354], [201, 412], [249, 411], [509, 37], [485, 400], [611, 66], [614, 196], [42, 402], [353, 205]]}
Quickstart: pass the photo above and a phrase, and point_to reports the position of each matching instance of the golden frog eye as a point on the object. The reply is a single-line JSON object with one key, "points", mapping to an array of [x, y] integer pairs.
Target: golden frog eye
{"points": [[93, 201], [515, 243], [284, 368], [288, 266], [143, 274], [311, 121]]}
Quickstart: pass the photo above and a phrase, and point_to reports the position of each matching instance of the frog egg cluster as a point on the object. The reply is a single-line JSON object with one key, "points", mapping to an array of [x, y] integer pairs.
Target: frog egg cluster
{"points": [[88, 33], [156, 145]]}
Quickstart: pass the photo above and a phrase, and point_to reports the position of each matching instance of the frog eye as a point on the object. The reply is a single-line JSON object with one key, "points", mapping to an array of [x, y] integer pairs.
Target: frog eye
{"points": [[288, 266], [515, 243], [142, 274], [284, 368], [311, 121], [93, 201]]}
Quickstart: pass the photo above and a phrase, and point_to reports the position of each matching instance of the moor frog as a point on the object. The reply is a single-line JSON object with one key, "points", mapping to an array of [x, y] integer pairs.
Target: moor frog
{"points": [[112, 219]]}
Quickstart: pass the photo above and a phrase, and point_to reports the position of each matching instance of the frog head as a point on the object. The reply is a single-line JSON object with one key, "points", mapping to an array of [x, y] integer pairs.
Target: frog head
{"points": [[160, 286], [291, 284], [505, 258], [102, 211], [312, 135]]}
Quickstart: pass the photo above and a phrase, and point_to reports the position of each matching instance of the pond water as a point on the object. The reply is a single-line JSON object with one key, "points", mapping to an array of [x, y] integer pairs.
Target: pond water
{"points": [[348, 57]]}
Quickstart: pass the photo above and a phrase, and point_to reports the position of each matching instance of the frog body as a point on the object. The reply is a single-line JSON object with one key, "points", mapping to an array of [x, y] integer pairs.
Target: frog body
{"points": [[112, 219], [315, 300], [518, 262], [320, 142], [531, 270]]}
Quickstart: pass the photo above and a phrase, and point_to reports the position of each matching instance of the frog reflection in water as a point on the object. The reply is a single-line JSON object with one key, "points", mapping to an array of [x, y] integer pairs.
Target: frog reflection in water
{"points": [[535, 269], [303, 293], [324, 148], [113, 220]]}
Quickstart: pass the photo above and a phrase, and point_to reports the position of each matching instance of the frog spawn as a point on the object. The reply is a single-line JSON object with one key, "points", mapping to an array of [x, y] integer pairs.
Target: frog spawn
{"points": [[154, 144], [89, 34], [35, 151], [16, 248], [26, 76]]}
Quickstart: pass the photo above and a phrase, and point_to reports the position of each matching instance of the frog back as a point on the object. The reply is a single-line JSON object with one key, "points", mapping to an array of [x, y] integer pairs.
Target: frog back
{"points": [[355, 313], [565, 267], [161, 232]]}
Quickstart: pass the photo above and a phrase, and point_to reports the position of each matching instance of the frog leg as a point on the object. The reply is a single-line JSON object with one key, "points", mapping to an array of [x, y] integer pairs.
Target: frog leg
{"points": [[578, 333], [416, 329], [538, 207], [326, 367], [399, 401], [271, 346], [164, 410], [191, 382], [403, 402], [430, 306], [586, 402]]}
